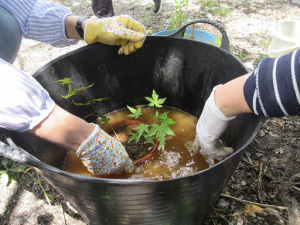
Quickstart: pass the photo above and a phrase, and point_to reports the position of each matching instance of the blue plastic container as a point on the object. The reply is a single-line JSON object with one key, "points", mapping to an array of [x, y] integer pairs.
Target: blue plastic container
{"points": [[199, 35]]}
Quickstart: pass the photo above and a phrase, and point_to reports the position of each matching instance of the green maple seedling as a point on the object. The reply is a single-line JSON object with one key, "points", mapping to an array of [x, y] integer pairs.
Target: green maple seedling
{"points": [[159, 129], [80, 91]]}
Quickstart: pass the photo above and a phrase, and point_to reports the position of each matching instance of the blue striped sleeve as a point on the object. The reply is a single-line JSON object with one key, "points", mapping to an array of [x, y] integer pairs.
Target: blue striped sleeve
{"points": [[40, 20], [272, 89], [24, 103]]}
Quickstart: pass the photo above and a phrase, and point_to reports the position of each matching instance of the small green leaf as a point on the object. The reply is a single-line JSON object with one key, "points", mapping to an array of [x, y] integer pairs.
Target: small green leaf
{"points": [[105, 120], [70, 94], [49, 196], [134, 136], [4, 161], [81, 104], [155, 101], [16, 170], [164, 127], [21, 168], [135, 113], [153, 130], [161, 136], [99, 99], [149, 139], [141, 128], [64, 81]]}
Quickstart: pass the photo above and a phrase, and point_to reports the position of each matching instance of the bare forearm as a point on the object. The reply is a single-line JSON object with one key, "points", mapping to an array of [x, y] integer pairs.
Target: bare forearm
{"points": [[229, 98], [63, 129], [71, 31]]}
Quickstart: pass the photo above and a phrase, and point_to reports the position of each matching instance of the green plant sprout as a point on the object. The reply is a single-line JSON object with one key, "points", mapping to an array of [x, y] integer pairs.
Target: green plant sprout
{"points": [[47, 196], [159, 129], [266, 43], [10, 174], [217, 42], [208, 5], [178, 15], [80, 91], [241, 55], [222, 11], [147, 18]]}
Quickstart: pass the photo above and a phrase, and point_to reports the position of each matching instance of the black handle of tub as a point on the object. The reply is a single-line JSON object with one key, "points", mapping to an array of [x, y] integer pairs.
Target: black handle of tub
{"points": [[225, 41]]}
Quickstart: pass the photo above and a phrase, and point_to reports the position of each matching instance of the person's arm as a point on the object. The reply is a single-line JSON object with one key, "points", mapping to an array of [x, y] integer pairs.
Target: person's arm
{"points": [[271, 90], [41, 21], [27, 107], [64, 129], [230, 99], [71, 22], [55, 25], [98, 151]]}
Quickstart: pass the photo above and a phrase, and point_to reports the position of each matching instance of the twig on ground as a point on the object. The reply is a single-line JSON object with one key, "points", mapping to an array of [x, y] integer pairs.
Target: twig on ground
{"points": [[46, 196], [256, 169], [230, 215], [254, 203], [219, 214], [297, 189], [249, 159], [259, 182]]}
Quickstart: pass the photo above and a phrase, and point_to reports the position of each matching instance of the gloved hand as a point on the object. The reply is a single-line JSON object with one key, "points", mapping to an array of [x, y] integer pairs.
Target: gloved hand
{"points": [[118, 30], [210, 127], [104, 155]]}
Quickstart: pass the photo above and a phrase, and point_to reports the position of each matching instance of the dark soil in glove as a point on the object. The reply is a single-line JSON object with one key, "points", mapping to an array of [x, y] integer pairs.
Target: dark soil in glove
{"points": [[134, 150]]}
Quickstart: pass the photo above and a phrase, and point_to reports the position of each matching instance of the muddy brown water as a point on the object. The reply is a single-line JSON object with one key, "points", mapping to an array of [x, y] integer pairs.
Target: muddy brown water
{"points": [[177, 160]]}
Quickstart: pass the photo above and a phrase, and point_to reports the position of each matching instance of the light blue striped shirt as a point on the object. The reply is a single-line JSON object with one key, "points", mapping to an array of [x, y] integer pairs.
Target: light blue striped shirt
{"points": [[24, 102], [40, 20]]}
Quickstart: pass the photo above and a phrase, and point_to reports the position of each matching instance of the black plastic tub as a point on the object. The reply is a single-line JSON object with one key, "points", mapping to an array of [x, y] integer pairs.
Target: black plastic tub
{"points": [[184, 71]]}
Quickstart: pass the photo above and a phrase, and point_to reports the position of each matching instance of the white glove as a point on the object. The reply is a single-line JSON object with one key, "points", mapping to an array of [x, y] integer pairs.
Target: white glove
{"points": [[104, 155], [210, 127]]}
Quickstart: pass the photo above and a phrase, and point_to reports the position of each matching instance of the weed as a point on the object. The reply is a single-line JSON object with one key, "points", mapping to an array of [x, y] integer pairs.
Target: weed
{"points": [[241, 55], [222, 11], [266, 43], [178, 15], [208, 5], [47, 196], [217, 42], [10, 174], [159, 129], [147, 18]]}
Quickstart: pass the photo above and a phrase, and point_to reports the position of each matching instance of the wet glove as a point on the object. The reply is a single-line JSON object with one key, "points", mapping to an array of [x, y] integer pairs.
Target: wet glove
{"points": [[104, 155], [210, 127], [118, 30]]}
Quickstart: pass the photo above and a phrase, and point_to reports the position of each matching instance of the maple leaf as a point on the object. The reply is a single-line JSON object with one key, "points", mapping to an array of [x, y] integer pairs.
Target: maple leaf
{"points": [[65, 81], [141, 129], [134, 112], [155, 101]]}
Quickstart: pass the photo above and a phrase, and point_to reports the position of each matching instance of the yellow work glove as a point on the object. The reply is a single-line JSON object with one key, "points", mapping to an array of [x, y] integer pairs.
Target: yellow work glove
{"points": [[118, 30]]}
